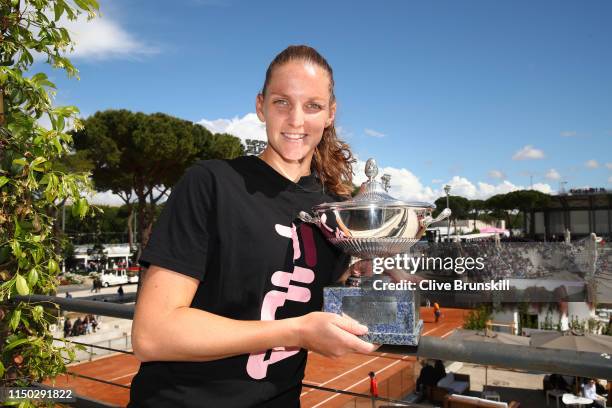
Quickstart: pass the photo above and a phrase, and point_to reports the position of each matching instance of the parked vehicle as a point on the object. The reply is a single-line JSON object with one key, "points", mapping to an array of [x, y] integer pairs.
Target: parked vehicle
{"points": [[116, 277]]}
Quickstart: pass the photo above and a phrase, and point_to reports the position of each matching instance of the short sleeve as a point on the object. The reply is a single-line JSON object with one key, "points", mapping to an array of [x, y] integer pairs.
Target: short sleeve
{"points": [[182, 237]]}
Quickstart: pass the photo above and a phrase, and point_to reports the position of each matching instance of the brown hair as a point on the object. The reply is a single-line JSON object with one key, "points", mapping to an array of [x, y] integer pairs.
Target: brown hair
{"points": [[332, 158]]}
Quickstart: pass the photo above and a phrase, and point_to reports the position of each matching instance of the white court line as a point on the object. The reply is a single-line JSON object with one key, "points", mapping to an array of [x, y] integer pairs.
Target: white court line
{"points": [[450, 332], [121, 376], [358, 382], [343, 374]]}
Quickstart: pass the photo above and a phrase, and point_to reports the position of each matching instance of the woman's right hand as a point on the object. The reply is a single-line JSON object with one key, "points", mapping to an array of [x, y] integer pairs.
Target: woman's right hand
{"points": [[332, 335]]}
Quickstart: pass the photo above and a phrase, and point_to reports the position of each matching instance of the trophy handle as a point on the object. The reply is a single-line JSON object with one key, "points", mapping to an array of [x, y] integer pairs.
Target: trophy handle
{"points": [[430, 220], [304, 216]]}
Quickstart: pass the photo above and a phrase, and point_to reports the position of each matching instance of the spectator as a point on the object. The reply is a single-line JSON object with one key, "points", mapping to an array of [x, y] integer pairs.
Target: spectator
{"points": [[427, 376], [373, 387], [76, 327], [558, 382], [120, 290], [67, 327], [87, 324], [565, 328], [439, 371], [437, 312], [94, 322], [589, 391], [68, 295]]}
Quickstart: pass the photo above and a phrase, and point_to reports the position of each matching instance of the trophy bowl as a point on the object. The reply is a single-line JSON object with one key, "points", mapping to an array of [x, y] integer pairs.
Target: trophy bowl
{"points": [[373, 224]]}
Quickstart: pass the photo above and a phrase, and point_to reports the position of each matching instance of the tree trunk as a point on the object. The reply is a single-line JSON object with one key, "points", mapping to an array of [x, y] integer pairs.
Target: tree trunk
{"points": [[1, 107], [130, 226], [140, 216]]}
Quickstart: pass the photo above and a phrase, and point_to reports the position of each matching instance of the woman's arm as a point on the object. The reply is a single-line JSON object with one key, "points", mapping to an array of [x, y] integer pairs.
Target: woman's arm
{"points": [[165, 328]]}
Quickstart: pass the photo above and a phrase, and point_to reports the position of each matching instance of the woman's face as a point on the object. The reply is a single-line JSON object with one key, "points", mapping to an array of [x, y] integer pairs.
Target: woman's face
{"points": [[296, 109]]}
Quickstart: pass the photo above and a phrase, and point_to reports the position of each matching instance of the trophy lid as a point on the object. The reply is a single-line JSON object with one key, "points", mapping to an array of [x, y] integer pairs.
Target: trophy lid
{"points": [[374, 193]]}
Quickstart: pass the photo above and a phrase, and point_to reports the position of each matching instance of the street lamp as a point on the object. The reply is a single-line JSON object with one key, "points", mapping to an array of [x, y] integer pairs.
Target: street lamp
{"points": [[447, 189]]}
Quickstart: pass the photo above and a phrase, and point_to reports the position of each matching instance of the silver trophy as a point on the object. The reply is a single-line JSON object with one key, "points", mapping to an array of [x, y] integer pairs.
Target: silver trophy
{"points": [[373, 225]]}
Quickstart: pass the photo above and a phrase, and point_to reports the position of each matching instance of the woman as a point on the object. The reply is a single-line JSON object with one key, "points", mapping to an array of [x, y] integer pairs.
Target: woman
{"points": [[230, 301]]}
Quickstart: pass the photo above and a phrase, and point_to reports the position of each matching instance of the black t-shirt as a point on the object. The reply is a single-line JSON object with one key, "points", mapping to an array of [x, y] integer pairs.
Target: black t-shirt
{"points": [[233, 225]]}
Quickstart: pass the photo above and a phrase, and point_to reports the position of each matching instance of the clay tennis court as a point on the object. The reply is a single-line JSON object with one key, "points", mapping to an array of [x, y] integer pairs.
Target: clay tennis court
{"points": [[396, 374]]}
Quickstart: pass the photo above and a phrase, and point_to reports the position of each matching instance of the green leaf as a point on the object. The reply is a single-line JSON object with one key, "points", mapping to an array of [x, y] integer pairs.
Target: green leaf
{"points": [[3, 180], [80, 208], [16, 249], [35, 165], [17, 229], [59, 10], [40, 76], [32, 277], [83, 4], [53, 266], [38, 161], [1, 369], [22, 285], [60, 124], [18, 342], [14, 322], [37, 312]]}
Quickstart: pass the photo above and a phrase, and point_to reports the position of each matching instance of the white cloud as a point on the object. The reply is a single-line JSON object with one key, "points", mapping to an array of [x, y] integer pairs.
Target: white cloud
{"points": [[497, 174], [591, 164], [528, 153], [569, 133], [103, 38], [552, 174], [247, 127], [342, 133], [373, 133], [404, 184], [609, 166], [106, 198]]}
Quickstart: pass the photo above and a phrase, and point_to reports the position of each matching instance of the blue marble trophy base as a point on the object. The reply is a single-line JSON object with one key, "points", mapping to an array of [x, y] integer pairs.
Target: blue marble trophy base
{"points": [[392, 316]]}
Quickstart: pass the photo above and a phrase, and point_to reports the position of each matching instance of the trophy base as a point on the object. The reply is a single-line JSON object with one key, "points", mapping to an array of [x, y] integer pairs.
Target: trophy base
{"points": [[395, 338], [392, 317]]}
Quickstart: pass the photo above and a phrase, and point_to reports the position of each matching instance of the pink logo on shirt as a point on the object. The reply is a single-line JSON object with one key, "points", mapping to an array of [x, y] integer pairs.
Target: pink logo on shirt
{"points": [[257, 366]]}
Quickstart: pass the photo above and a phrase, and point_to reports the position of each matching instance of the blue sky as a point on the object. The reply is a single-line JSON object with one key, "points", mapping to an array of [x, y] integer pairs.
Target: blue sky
{"points": [[484, 95]]}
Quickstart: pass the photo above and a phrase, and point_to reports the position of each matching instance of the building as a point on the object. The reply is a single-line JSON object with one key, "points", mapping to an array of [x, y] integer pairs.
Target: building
{"points": [[114, 254], [581, 211]]}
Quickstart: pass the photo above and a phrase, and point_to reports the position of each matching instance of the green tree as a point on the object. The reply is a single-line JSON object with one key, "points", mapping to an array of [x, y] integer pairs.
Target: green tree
{"points": [[510, 206], [476, 208], [140, 157], [31, 184], [223, 146], [460, 207]]}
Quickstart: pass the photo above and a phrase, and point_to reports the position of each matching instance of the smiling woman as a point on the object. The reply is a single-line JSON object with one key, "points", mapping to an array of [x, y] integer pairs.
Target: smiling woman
{"points": [[298, 105], [232, 296]]}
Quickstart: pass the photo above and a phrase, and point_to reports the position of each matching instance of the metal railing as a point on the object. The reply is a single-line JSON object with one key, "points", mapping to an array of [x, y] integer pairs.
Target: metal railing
{"points": [[125, 340], [567, 362]]}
